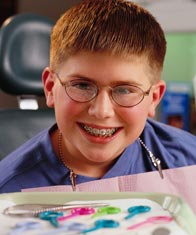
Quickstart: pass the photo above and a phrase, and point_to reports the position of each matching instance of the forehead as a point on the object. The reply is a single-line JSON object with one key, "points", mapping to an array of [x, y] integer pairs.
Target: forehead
{"points": [[97, 65]]}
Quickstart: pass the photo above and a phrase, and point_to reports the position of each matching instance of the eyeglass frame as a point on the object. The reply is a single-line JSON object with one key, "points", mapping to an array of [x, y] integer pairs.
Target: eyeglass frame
{"points": [[66, 84]]}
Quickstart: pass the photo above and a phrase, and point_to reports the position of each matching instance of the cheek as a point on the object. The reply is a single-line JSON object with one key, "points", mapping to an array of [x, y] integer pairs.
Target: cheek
{"points": [[134, 119], [67, 111], [64, 106], [134, 114]]}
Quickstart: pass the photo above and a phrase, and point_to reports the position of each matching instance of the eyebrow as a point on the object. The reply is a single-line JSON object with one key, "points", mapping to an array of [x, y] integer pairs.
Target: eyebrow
{"points": [[115, 83]]}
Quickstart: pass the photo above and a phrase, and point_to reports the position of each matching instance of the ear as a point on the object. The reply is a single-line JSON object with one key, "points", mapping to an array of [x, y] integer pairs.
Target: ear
{"points": [[158, 91], [48, 83]]}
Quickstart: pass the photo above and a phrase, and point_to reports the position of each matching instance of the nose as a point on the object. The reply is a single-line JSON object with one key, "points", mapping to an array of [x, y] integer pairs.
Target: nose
{"points": [[102, 106]]}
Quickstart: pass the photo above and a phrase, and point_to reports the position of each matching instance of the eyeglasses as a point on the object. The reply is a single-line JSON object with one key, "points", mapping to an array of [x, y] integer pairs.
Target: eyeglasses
{"points": [[82, 90]]}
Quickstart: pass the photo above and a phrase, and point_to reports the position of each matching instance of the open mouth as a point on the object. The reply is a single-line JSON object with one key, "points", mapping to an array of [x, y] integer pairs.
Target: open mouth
{"points": [[104, 132]]}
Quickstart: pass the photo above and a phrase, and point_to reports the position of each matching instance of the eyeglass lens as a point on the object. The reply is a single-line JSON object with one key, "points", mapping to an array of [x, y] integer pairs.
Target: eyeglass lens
{"points": [[85, 91]]}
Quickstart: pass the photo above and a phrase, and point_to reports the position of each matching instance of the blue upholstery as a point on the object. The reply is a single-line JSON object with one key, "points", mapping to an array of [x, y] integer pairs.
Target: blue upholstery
{"points": [[24, 52]]}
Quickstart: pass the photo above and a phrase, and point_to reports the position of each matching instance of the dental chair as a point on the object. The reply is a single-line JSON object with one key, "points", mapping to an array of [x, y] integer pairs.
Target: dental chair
{"points": [[24, 52]]}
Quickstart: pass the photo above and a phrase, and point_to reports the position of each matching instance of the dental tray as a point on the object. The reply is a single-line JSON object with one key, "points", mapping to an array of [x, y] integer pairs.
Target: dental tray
{"points": [[184, 220]]}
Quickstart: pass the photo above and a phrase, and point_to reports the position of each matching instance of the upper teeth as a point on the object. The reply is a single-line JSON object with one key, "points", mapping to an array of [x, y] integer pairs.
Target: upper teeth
{"points": [[100, 132]]}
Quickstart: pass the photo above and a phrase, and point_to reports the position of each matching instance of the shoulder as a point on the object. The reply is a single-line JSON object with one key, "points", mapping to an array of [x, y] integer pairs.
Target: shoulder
{"points": [[25, 158], [28, 147], [167, 132], [175, 147]]}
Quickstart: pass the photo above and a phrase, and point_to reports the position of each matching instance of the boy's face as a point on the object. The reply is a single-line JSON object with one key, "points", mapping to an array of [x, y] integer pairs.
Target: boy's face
{"points": [[101, 112]]}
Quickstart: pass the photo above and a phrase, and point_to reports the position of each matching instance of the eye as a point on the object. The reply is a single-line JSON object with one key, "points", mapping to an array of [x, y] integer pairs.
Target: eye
{"points": [[82, 85], [126, 90]]}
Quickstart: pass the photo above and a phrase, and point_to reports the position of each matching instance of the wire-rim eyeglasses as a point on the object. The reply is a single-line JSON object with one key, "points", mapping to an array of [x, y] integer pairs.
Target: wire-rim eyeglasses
{"points": [[83, 90]]}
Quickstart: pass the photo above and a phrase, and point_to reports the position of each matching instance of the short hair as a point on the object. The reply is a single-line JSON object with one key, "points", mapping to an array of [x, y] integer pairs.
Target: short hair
{"points": [[119, 27]]}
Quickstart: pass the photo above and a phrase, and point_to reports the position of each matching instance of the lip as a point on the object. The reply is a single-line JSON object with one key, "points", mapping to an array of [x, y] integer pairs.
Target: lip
{"points": [[99, 139]]}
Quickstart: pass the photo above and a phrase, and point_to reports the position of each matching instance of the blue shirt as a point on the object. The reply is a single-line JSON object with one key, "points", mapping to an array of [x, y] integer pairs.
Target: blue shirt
{"points": [[35, 163]]}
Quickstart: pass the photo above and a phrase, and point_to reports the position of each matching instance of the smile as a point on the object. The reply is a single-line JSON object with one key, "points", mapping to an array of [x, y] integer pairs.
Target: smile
{"points": [[99, 132]]}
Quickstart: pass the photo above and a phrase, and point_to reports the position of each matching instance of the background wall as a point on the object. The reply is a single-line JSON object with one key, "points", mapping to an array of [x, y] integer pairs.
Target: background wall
{"points": [[50, 8], [173, 15], [180, 61]]}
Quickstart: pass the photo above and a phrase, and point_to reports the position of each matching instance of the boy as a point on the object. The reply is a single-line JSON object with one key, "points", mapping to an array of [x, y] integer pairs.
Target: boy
{"points": [[104, 83]]}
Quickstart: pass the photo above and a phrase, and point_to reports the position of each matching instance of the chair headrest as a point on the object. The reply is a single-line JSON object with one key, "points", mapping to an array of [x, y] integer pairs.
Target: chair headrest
{"points": [[24, 52]]}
